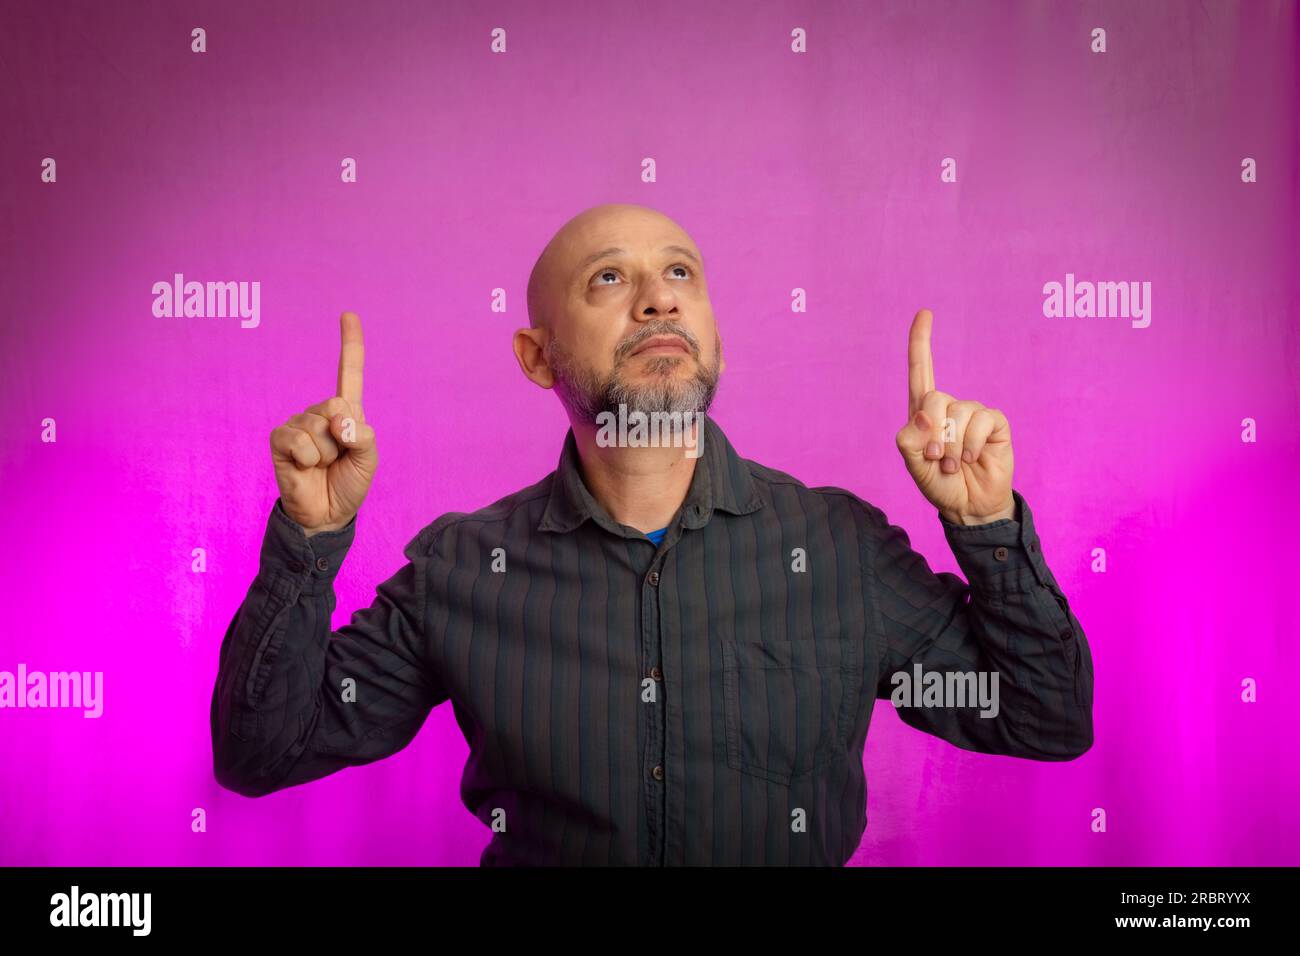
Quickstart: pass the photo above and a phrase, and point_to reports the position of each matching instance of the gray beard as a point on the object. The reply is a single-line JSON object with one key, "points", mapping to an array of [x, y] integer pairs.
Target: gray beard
{"points": [[586, 395]]}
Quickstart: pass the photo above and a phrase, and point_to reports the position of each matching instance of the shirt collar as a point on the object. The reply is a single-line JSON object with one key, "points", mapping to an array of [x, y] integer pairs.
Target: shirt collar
{"points": [[721, 481]]}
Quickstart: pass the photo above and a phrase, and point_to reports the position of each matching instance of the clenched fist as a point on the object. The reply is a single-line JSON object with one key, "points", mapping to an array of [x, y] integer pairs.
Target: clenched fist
{"points": [[325, 458]]}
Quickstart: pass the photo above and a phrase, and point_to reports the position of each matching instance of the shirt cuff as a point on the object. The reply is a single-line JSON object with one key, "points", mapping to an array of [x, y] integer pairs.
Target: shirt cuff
{"points": [[1003, 556], [313, 562]]}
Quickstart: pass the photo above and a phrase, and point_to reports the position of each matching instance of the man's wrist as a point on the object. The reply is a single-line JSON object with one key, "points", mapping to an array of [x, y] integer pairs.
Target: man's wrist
{"points": [[971, 520], [312, 532]]}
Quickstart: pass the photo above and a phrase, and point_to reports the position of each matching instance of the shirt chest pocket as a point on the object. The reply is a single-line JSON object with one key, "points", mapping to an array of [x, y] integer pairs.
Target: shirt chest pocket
{"points": [[788, 705]]}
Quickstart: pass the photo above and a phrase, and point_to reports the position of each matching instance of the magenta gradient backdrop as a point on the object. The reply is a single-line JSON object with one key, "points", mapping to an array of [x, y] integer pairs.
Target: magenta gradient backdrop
{"points": [[818, 171]]}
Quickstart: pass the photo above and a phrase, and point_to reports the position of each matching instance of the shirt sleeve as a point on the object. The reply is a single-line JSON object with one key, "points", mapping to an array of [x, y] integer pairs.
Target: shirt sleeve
{"points": [[295, 701], [1008, 620]]}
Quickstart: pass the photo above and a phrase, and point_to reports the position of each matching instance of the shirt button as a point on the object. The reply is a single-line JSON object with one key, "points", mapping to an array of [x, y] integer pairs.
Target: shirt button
{"points": [[322, 564], [658, 772], [1000, 554], [653, 579], [295, 567], [656, 673]]}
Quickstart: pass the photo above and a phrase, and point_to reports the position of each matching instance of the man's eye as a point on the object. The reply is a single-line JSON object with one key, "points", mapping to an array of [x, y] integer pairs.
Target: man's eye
{"points": [[684, 269], [606, 272]]}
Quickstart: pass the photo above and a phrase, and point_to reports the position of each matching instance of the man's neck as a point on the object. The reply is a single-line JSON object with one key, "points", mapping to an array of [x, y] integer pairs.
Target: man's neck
{"points": [[642, 488]]}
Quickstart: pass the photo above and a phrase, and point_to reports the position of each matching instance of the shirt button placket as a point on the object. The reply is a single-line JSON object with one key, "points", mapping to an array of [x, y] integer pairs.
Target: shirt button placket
{"points": [[654, 651]]}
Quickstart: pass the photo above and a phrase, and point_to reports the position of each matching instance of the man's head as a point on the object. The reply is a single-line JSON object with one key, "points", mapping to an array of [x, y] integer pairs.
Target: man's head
{"points": [[619, 313]]}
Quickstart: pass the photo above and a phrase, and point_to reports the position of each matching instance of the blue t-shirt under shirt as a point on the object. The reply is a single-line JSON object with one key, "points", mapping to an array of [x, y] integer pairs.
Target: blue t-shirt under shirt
{"points": [[656, 536]]}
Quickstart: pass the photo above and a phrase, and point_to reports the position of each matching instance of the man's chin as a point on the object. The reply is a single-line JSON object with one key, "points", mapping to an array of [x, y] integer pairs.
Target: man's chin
{"points": [[678, 401]]}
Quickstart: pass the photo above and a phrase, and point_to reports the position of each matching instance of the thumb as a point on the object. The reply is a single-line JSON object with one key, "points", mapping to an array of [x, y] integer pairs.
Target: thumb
{"points": [[913, 437], [357, 438]]}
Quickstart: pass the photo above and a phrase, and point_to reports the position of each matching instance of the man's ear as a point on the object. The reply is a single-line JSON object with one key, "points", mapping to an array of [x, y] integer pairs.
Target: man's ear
{"points": [[530, 350]]}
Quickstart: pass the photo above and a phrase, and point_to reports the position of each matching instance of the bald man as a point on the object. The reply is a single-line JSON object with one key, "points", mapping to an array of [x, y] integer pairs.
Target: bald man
{"points": [[662, 653]]}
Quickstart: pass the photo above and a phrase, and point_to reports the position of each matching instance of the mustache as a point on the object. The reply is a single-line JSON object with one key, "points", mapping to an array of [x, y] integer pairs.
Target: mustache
{"points": [[633, 341]]}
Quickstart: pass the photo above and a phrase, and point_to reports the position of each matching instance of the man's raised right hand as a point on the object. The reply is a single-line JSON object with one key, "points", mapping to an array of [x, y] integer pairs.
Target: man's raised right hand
{"points": [[325, 458]]}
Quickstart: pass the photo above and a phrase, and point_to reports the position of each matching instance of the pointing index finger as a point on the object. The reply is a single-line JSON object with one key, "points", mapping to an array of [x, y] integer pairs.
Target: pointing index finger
{"points": [[352, 354], [920, 361]]}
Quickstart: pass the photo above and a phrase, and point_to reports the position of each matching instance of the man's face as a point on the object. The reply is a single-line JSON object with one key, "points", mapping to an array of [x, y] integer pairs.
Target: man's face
{"points": [[630, 318]]}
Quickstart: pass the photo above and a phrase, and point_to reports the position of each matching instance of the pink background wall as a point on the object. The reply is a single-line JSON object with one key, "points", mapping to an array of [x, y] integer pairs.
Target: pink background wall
{"points": [[818, 171]]}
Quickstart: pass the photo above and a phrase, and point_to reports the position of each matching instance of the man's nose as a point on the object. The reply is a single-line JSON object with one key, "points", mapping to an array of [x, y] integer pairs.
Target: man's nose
{"points": [[658, 301]]}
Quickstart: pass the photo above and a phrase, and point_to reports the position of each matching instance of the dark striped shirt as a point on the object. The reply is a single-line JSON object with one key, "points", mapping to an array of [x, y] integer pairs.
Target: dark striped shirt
{"points": [[705, 701]]}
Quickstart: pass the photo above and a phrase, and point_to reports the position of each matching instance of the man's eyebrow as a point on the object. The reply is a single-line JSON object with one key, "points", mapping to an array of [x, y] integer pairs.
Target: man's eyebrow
{"points": [[615, 251]]}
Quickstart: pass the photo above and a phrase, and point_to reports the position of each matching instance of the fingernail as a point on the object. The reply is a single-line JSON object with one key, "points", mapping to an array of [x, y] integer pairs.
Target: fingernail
{"points": [[966, 456], [932, 450], [947, 466]]}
